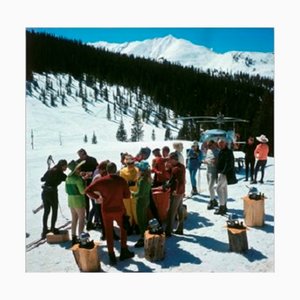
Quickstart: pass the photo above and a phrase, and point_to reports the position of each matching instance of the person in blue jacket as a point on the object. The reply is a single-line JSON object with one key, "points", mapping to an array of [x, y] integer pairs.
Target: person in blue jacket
{"points": [[194, 160]]}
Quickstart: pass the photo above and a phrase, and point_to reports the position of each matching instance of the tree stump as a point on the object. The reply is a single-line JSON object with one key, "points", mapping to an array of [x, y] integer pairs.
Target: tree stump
{"points": [[87, 260], [162, 202], [237, 240], [154, 246], [254, 212], [63, 236]]}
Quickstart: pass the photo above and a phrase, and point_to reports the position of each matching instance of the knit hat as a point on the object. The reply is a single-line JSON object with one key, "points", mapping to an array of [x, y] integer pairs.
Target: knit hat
{"points": [[143, 165], [262, 138], [73, 166], [195, 143]]}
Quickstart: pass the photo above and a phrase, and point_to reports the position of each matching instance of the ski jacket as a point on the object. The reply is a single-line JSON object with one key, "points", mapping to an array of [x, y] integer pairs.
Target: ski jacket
{"points": [[53, 177], [131, 176], [177, 180], [249, 151], [159, 169], [75, 186], [142, 195], [261, 151], [194, 159], [225, 165], [113, 190], [90, 165]]}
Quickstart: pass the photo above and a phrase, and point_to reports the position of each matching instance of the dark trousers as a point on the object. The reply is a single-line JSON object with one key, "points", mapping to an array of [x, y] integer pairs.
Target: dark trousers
{"points": [[94, 212], [50, 201], [249, 164], [261, 164]]}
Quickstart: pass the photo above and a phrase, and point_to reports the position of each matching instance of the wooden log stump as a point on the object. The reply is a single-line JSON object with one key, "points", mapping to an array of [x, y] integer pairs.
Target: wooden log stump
{"points": [[154, 246], [162, 202], [237, 240], [254, 212], [63, 236], [87, 260]]}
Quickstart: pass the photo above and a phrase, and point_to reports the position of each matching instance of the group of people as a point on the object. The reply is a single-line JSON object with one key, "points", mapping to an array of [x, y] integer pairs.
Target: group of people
{"points": [[256, 153], [125, 195]]}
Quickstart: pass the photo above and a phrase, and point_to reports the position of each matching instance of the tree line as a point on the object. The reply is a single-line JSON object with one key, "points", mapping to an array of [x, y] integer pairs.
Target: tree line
{"points": [[185, 90]]}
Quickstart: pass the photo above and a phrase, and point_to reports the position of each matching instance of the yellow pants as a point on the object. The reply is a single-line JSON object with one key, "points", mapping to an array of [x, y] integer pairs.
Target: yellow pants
{"points": [[130, 206]]}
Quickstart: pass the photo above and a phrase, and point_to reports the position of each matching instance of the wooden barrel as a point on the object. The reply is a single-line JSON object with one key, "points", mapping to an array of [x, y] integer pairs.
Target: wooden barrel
{"points": [[154, 246], [87, 260], [237, 239], [162, 202], [254, 212], [63, 236]]}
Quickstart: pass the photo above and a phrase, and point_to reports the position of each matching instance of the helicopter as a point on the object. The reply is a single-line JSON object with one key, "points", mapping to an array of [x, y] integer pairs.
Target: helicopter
{"points": [[231, 136]]}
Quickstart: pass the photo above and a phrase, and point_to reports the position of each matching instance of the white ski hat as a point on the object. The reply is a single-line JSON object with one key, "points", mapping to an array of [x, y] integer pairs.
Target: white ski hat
{"points": [[262, 138]]}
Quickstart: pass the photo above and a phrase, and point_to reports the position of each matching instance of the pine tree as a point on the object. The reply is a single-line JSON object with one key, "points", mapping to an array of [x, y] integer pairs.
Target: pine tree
{"points": [[153, 135], [168, 134], [94, 138], [108, 114], [85, 139], [137, 132], [121, 133]]}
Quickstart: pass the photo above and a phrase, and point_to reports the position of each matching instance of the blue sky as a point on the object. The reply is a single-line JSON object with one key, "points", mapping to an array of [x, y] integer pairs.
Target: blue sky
{"points": [[219, 39]]}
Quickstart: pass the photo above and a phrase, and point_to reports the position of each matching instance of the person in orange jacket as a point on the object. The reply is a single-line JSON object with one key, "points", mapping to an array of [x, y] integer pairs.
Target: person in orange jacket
{"points": [[261, 155]]}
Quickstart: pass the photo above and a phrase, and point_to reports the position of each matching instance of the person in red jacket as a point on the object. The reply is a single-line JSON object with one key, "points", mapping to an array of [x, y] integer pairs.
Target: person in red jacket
{"points": [[110, 191], [177, 190], [261, 154], [159, 169]]}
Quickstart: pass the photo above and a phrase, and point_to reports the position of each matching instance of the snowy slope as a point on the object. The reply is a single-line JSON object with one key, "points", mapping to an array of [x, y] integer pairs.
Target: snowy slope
{"points": [[187, 54], [59, 131]]}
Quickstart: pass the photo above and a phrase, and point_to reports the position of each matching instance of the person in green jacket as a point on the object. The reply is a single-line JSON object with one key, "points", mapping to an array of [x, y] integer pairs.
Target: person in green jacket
{"points": [[142, 196], [75, 186]]}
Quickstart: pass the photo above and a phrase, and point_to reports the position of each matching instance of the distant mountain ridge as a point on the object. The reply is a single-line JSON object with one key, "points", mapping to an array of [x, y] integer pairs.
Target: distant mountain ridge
{"points": [[186, 53]]}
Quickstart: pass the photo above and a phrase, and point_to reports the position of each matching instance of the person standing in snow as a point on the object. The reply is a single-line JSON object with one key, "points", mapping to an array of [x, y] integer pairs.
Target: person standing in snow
{"points": [[261, 154], [248, 149], [52, 178], [194, 156], [226, 175], [165, 151], [177, 190], [142, 196], [110, 191], [75, 186], [130, 174], [210, 160], [87, 172], [178, 147]]}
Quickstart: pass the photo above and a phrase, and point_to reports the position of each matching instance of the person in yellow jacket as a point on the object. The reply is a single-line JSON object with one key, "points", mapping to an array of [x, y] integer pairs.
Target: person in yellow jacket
{"points": [[130, 174]]}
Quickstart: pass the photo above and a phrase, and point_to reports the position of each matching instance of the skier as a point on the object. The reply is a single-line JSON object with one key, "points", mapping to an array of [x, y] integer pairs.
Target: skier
{"points": [[52, 178], [110, 191], [249, 158], [142, 196], [210, 160], [194, 163], [226, 175], [130, 174], [87, 172], [261, 154], [177, 189], [75, 186]]}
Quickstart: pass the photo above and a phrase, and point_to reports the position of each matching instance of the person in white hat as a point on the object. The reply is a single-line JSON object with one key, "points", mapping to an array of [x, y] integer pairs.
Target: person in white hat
{"points": [[261, 155]]}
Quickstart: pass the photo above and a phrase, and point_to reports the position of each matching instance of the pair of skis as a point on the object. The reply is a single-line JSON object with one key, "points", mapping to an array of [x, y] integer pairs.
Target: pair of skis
{"points": [[41, 240]]}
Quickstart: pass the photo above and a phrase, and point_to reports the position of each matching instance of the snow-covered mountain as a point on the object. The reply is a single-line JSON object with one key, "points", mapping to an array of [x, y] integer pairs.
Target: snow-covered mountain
{"points": [[188, 54]]}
